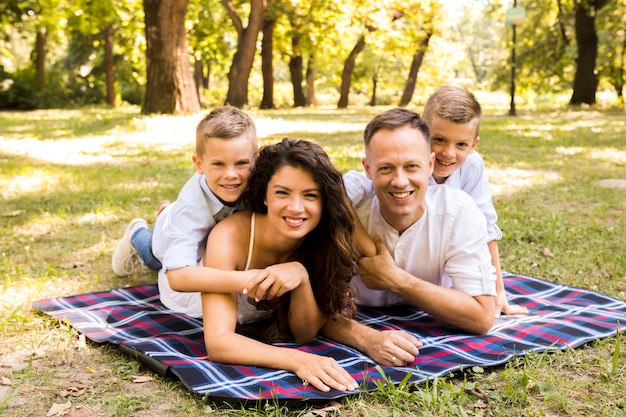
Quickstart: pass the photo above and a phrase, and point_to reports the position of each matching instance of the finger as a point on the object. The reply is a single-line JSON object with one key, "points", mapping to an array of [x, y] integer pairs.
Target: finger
{"points": [[254, 281], [379, 244], [263, 288], [515, 309], [275, 291], [338, 379]]}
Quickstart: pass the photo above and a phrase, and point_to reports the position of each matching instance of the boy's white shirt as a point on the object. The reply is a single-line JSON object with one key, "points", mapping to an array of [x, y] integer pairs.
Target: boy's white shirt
{"points": [[447, 246], [471, 177], [179, 239]]}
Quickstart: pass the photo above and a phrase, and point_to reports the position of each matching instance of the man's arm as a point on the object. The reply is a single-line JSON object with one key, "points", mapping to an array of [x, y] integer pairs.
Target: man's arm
{"points": [[389, 347], [472, 314]]}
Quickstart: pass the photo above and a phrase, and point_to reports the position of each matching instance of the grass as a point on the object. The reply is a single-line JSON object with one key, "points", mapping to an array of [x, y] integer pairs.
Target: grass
{"points": [[70, 181]]}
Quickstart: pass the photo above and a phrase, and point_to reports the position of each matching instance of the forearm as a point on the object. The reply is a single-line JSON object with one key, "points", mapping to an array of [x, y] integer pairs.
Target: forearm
{"points": [[349, 332], [305, 317], [452, 306], [206, 279]]}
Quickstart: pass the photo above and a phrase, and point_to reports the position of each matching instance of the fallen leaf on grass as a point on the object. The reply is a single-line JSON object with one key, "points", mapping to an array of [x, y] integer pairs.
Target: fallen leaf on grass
{"points": [[6, 381], [90, 369], [26, 389], [81, 343], [59, 409], [333, 407], [73, 392], [13, 213], [547, 252], [138, 379]]}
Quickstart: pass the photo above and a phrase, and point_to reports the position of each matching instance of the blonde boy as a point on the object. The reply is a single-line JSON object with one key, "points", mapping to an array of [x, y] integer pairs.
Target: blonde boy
{"points": [[453, 115], [226, 147]]}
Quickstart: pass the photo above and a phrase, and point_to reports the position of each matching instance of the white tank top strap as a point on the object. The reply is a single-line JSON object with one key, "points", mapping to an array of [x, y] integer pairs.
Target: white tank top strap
{"points": [[251, 246]]}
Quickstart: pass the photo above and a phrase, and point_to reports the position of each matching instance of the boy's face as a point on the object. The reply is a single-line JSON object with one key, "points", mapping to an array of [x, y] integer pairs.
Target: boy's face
{"points": [[399, 164], [226, 164], [452, 143]]}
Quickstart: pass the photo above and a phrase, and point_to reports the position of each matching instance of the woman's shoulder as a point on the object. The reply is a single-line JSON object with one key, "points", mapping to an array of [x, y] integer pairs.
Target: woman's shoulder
{"points": [[235, 222]]}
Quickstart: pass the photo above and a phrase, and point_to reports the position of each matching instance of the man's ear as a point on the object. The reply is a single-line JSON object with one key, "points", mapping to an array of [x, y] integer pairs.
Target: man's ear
{"points": [[197, 162], [366, 168]]}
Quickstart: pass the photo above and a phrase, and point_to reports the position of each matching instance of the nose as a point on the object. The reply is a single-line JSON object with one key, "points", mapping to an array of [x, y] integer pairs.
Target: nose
{"points": [[400, 179], [448, 151], [295, 204], [231, 172]]}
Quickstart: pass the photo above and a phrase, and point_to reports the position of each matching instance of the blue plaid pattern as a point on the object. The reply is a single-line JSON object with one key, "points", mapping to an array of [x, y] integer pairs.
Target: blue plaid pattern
{"points": [[172, 344]]}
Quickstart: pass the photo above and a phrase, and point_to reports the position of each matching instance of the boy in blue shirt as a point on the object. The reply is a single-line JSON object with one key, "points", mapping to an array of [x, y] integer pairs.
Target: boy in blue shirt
{"points": [[226, 148], [453, 115]]}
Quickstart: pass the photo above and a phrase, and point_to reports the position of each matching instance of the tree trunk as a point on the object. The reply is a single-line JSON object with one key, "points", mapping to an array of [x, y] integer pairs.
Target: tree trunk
{"points": [[418, 58], [108, 65], [198, 77], [40, 59], [243, 59], [170, 86], [585, 78], [295, 70], [310, 82], [374, 88], [348, 69], [267, 66]]}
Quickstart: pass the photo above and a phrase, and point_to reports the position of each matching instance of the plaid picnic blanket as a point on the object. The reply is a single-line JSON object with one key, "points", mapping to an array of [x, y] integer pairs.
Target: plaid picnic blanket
{"points": [[172, 344]]}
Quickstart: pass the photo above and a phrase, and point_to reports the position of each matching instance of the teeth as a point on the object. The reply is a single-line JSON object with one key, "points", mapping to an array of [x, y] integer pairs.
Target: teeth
{"points": [[294, 222], [446, 164], [401, 195], [230, 187]]}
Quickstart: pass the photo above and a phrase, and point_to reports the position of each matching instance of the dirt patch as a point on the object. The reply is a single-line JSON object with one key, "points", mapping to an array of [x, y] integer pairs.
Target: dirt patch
{"points": [[612, 183]]}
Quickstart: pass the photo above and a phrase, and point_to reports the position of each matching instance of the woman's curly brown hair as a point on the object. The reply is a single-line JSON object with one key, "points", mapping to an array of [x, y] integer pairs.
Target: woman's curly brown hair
{"points": [[329, 252]]}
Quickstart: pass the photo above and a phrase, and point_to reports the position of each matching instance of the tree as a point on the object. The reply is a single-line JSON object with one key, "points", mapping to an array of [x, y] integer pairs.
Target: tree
{"points": [[246, 50], [585, 80], [267, 66], [348, 69], [170, 84]]}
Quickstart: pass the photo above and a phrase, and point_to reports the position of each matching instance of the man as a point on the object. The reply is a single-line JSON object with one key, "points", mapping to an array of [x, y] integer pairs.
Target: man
{"points": [[437, 235]]}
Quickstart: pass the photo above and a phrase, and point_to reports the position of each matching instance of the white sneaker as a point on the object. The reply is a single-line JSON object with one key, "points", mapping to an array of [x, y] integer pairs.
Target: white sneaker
{"points": [[125, 260]]}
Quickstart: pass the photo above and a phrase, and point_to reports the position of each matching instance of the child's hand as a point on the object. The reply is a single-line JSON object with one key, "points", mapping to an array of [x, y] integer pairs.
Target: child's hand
{"points": [[324, 373], [503, 306], [276, 280]]}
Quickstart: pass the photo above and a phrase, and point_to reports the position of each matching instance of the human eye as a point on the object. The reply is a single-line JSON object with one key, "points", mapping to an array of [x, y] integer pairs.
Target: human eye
{"points": [[462, 145], [313, 195], [218, 164], [384, 169], [437, 140], [243, 163], [413, 167]]}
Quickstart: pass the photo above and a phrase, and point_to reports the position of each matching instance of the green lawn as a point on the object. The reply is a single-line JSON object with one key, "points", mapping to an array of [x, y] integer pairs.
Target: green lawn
{"points": [[70, 181]]}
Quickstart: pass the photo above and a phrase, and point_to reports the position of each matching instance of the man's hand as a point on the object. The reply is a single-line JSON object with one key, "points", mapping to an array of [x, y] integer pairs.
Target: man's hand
{"points": [[377, 271], [393, 347], [276, 280]]}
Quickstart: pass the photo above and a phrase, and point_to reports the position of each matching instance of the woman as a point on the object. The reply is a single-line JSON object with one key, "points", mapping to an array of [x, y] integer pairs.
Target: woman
{"points": [[300, 233]]}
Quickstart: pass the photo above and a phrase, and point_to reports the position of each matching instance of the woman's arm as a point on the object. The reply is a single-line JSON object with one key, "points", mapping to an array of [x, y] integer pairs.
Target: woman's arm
{"points": [[224, 345]]}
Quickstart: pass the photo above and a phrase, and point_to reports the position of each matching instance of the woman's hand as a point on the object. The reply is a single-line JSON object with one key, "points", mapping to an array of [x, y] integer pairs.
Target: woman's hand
{"points": [[324, 373], [276, 280]]}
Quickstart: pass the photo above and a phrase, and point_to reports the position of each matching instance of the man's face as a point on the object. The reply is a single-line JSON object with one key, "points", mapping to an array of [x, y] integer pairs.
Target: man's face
{"points": [[399, 164], [226, 164]]}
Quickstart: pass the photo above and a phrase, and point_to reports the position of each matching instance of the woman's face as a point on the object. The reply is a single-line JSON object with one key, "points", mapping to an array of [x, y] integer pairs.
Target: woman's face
{"points": [[294, 202]]}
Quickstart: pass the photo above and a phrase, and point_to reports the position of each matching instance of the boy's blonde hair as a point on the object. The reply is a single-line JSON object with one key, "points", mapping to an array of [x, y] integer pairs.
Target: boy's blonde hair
{"points": [[454, 104], [224, 123]]}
